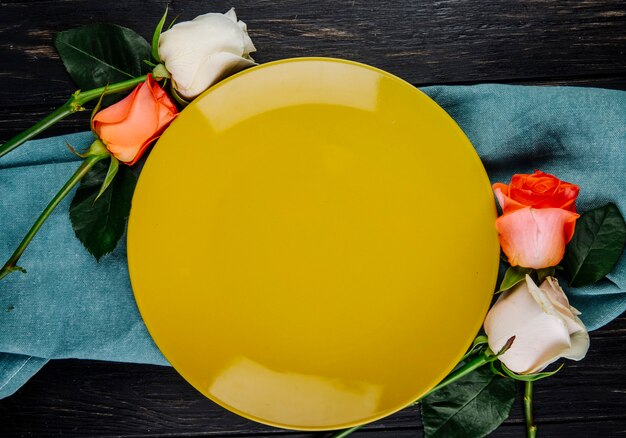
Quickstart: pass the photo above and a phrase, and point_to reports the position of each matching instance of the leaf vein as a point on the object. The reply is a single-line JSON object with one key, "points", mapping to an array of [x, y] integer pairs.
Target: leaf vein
{"points": [[464, 405], [89, 55]]}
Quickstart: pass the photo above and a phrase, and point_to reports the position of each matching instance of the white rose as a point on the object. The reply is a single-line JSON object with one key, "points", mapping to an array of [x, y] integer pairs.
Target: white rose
{"points": [[545, 326], [205, 50]]}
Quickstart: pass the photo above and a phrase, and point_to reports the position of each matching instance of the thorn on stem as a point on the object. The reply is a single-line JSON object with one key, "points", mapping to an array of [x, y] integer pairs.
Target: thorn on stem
{"points": [[69, 146]]}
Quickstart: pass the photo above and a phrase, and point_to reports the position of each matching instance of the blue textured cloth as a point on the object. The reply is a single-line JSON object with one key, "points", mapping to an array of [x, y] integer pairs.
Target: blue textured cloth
{"points": [[69, 306]]}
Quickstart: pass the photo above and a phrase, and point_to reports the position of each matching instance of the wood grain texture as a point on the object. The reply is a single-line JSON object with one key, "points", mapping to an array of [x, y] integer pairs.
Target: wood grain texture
{"points": [[424, 42], [439, 41], [98, 399], [540, 42]]}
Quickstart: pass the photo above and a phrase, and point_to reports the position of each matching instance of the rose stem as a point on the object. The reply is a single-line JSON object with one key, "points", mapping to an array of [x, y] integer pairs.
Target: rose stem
{"points": [[528, 410], [470, 366], [74, 104], [11, 264]]}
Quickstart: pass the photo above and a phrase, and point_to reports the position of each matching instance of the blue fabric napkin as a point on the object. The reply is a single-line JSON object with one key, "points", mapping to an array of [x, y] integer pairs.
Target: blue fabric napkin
{"points": [[70, 306]]}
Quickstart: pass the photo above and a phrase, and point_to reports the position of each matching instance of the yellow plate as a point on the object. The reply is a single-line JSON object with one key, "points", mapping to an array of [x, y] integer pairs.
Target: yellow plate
{"points": [[312, 244]]}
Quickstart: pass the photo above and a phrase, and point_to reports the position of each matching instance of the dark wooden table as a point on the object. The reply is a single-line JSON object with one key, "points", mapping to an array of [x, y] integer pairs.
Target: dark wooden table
{"points": [[574, 42]]}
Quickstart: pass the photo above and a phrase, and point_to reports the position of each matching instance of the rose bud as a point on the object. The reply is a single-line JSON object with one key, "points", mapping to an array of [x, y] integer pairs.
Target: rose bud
{"points": [[205, 50], [128, 127], [538, 219], [545, 326]]}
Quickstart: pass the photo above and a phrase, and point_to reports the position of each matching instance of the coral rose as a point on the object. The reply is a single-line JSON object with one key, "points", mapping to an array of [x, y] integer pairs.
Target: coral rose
{"points": [[128, 127], [538, 219]]}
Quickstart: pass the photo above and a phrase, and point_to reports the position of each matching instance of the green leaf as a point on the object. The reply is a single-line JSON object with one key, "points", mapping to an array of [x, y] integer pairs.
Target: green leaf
{"points": [[177, 98], [156, 35], [497, 370], [100, 224], [512, 276], [596, 247], [477, 345], [542, 274], [96, 109], [173, 22], [100, 54], [529, 377], [472, 407], [108, 179]]}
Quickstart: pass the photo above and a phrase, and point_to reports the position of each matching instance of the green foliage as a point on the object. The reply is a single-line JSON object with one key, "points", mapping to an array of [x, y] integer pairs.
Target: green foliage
{"points": [[596, 247], [501, 369], [513, 276], [479, 344], [108, 179], [156, 35], [472, 407], [99, 54], [99, 224], [542, 274]]}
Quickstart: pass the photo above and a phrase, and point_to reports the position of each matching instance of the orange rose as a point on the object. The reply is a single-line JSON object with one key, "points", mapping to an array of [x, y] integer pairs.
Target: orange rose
{"points": [[538, 219], [128, 127]]}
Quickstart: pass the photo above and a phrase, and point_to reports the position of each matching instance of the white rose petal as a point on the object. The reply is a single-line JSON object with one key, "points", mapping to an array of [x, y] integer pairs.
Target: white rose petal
{"points": [[205, 50], [545, 326], [578, 333]]}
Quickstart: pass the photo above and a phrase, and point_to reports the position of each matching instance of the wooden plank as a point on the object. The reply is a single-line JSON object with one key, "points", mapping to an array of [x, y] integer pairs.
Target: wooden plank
{"points": [[98, 399], [424, 42], [578, 429]]}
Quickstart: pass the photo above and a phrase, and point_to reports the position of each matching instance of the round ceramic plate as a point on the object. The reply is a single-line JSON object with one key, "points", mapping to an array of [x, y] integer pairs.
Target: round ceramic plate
{"points": [[312, 244]]}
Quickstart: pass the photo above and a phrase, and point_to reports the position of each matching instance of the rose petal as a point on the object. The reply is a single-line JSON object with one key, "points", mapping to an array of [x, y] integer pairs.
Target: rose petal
{"points": [[231, 14], [506, 203], [125, 138], [248, 45], [535, 238], [129, 126], [542, 190], [553, 292], [200, 52], [540, 337], [115, 113], [580, 345]]}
